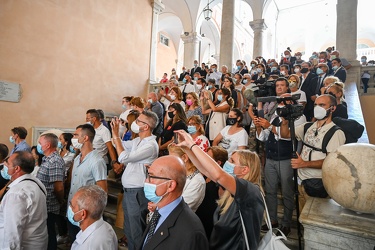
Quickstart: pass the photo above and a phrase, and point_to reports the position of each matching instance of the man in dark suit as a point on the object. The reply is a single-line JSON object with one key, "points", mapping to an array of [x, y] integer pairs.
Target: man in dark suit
{"points": [[309, 87], [173, 224], [338, 70], [196, 68], [183, 74]]}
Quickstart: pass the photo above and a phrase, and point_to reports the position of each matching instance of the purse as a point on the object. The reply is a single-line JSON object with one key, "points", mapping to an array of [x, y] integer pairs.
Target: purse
{"points": [[269, 241]]}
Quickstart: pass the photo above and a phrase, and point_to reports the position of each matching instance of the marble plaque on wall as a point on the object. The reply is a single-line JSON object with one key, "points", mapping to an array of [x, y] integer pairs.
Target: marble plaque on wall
{"points": [[10, 92]]}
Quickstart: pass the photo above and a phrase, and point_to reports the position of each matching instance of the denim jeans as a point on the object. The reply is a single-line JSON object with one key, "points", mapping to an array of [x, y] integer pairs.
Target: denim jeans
{"points": [[134, 204]]}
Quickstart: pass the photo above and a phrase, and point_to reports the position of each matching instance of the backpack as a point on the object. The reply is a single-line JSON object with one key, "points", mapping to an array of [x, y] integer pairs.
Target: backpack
{"points": [[352, 129]]}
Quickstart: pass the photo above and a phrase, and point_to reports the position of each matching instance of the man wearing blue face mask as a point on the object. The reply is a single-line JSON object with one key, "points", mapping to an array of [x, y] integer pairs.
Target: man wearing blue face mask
{"points": [[51, 174], [189, 86], [134, 155], [18, 139], [317, 82], [3, 154], [23, 209], [173, 223], [86, 210]]}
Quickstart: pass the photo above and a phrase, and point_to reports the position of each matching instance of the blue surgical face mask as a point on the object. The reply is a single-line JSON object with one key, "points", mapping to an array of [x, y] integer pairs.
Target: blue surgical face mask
{"points": [[238, 67], [124, 106], [71, 149], [192, 129], [259, 70], [273, 69], [4, 173], [244, 81], [363, 60], [219, 98], [39, 149], [229, 168], [150, 192], [335, 67], [319, 71], [59, 145], [184, 80], [195, 78], [71, 216], [11, 139]]}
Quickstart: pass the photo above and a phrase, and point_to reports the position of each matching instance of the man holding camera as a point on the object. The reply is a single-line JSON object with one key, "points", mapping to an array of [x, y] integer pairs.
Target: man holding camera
{"points": [[309, 162], [278, 167]]}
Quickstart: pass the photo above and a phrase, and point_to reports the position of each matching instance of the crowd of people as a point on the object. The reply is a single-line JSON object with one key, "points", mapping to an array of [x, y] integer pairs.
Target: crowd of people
{"points": [[191, 157]]}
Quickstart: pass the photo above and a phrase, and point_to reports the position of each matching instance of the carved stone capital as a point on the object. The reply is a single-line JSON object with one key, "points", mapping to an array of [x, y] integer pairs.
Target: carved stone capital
{"points": [[258, 25]]}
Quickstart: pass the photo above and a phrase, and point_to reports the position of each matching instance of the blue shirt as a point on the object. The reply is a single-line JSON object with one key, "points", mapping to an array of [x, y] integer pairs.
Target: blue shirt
{"points": [[22, 146]]}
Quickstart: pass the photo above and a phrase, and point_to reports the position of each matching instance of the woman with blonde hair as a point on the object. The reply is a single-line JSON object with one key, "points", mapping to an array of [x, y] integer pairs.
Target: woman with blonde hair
{"points": [[327, 82], [341, 110], [193, 105], [240, 176], [195, 185]]}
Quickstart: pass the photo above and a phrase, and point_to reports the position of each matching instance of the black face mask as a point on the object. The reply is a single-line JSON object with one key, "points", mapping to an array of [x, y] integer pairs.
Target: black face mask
{"points": [[170, 114], [231, 121], [304, 70]]}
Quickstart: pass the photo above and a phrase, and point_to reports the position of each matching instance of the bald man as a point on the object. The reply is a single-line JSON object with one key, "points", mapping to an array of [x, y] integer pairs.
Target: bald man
{"points": [[155, 106], [177, 226]]}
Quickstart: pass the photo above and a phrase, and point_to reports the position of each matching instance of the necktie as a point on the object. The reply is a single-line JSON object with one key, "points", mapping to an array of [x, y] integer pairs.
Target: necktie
{"points": [[320, 81], [153, 223]]}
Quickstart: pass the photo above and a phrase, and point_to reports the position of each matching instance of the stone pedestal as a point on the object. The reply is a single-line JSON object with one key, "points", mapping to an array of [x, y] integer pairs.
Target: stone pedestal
{"points": [[258, 27], [191, 51], [327, 225]]}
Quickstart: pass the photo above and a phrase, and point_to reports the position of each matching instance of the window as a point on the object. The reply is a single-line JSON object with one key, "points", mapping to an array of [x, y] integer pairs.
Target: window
{"points": [[164, 40]]}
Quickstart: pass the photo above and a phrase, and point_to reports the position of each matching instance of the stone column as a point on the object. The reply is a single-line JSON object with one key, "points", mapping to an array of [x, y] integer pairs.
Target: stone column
{"points": [[227, 34], [191, 48], [346, 37], [157, 8], [258, 27]]}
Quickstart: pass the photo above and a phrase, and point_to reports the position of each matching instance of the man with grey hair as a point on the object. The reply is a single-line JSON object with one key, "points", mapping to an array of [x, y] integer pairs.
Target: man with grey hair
{"points": [[23, 209], [135, 154], [155, 106], [86, 209], [51, 174]]}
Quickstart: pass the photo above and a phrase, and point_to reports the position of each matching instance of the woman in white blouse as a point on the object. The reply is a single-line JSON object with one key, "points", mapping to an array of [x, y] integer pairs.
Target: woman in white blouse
{"points": [[195, 185], [233, 136]]}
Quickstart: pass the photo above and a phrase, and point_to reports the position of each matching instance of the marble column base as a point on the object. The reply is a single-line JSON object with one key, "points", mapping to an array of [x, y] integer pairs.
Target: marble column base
{"points": [[327, 225]]}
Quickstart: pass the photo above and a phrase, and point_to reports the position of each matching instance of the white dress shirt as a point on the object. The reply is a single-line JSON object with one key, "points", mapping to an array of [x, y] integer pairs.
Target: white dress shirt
{"points": [[23, 215], [99, 236]]}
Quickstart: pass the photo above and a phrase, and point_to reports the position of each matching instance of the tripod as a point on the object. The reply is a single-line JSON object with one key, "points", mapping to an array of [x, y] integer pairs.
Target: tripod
{"points": [[295, 175]]}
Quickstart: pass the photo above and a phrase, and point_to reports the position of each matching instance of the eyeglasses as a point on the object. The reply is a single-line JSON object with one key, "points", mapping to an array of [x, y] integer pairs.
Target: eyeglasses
{"points": [[137, 120], [149, 177]]}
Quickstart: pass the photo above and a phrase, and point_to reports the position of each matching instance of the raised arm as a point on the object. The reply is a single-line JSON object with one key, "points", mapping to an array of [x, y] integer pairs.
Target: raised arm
{"points": [[206, 165]]}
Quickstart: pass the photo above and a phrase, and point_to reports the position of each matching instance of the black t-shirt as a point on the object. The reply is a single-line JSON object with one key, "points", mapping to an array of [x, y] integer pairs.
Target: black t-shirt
{"points": [[168, 131], [228, 232]]}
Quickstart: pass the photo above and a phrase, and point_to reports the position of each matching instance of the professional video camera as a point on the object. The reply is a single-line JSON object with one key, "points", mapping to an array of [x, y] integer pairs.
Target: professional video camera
{"points": [[290, 111], [260, 90]]}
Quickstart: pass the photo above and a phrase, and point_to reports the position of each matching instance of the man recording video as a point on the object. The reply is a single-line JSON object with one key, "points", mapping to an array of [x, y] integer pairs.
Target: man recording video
{"points": [[309, 162], [278, 155]]}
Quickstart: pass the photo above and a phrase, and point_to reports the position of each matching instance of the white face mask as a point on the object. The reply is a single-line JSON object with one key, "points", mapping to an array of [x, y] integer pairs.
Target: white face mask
{"points": [[320, 113], [135, 127], [150, 101], [296, 70], [199, 87], [76, 144], [173, 97]]}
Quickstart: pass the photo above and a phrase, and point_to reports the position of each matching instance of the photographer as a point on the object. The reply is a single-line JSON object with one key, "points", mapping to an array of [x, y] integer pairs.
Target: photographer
{"points": [[309, 162], [278, 167]]}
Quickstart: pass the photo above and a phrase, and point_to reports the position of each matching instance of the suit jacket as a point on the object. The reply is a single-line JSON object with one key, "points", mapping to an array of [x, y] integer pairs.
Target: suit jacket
{"points": [[193, 70], [182, 76], [181, 230], [341, 73]]}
